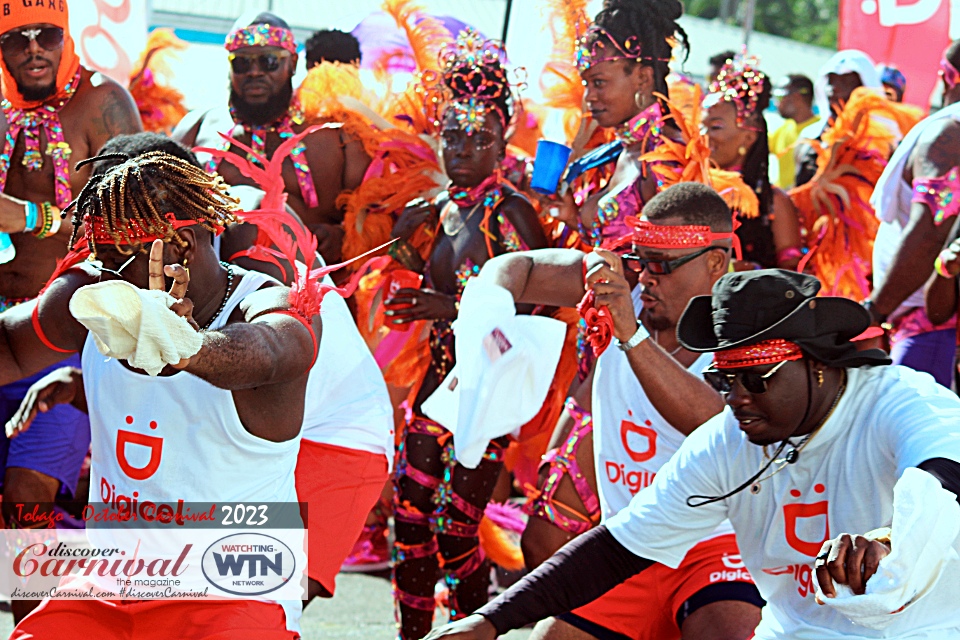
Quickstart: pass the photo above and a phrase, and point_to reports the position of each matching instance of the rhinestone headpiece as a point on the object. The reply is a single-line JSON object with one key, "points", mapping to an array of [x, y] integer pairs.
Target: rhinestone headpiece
{"points": [[474, 79], [741, 82]]}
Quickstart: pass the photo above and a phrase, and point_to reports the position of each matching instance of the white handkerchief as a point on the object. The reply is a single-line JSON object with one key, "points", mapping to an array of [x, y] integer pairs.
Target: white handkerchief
{"points": [[135, 325]]}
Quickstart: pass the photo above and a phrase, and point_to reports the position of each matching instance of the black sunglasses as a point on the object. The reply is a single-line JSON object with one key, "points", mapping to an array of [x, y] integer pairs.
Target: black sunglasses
{"points": [[49, 38], [268, 62], [755, 383], [662, 267]]}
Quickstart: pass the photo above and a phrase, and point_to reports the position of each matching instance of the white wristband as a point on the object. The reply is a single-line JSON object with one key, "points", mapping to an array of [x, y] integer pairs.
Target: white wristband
{"points": [[635, 339]]}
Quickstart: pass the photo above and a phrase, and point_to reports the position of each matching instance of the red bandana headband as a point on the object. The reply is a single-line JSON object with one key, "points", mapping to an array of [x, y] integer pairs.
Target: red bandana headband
{"points": [[949, 73], [134, 232], [261, 35], [759, 354], [658, 236]]}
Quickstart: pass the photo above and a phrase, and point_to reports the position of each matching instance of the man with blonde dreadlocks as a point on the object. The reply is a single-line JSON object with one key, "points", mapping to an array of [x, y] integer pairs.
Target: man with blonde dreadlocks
{"points": [[212, 412], [55, 112], [263, 112]]}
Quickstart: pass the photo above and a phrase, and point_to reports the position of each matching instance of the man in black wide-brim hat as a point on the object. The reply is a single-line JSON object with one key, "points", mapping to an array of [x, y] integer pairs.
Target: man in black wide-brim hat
{"points": [[815, 437]]}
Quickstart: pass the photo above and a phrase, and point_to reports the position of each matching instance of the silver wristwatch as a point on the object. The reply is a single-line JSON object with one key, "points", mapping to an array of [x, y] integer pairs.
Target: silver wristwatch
{"points": [[634, 340]]}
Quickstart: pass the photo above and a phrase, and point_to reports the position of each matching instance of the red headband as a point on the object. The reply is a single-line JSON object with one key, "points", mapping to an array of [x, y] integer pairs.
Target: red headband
{"points": [[949, 73], [133, 231], [658, 236], [755, 355]]}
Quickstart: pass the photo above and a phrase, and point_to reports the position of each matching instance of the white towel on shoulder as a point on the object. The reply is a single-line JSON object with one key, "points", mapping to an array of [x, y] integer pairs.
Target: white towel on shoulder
{"points": [[135, 325], [926, 521], [505, 365]]}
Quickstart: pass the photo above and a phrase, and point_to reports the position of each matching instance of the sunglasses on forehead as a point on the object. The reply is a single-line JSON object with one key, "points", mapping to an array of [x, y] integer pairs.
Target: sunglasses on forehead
{"points": [[16, 41], [268, 62], [662, 267], [754, 383]]}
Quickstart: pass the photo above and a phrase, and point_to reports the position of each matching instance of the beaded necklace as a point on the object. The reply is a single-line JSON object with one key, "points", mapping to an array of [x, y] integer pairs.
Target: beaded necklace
{"points": [[226, 295], [641, 127], [258, 143], [30, 122]]}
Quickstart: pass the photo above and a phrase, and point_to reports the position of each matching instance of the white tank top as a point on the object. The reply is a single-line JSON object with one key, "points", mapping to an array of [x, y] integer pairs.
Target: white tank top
{"points": [[178, 437], [631, 440], [171, 438]]}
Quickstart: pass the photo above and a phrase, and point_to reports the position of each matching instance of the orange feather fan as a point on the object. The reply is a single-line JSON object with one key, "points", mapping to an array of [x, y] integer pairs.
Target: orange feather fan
{"points": [[161, 106], [835, 206]]}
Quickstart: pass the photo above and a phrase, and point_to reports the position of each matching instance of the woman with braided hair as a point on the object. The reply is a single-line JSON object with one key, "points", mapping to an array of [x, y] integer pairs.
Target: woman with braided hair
{"points": [[439, 503], [244, 347], [738, 136]]}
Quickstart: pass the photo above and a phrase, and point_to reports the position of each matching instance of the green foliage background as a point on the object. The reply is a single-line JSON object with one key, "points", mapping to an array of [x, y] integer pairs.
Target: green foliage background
{"points": [[810, 21]]}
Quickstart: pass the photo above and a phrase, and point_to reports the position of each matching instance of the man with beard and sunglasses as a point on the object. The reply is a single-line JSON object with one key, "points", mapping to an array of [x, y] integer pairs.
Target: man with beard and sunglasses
{"points": [[263, 111], [817, 439], [56, 113], [648, 396]]}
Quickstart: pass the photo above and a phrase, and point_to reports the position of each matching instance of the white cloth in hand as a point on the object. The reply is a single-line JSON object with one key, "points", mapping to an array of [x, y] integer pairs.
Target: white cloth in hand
{"points": [[505, 365], [135, 325], [926, 521]]}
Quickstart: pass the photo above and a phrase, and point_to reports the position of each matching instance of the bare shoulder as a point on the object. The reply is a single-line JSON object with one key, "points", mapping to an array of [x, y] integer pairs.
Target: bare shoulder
{"points": [[114, 109], [781, 201], [937, 150], [189, 126], [517, 206]]}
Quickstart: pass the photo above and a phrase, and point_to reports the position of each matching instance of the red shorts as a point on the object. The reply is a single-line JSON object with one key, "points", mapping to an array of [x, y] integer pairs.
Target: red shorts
{"points": [[340, 487], [648, 605], [155, 620]]}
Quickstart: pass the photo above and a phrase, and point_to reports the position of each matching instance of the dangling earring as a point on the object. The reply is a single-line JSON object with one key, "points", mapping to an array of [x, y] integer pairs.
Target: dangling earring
{"points": [[819, 377], [637, 101]]}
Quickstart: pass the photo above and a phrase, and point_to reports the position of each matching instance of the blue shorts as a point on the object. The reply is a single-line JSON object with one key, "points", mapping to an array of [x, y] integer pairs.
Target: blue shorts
{"points": [[57, 441]]}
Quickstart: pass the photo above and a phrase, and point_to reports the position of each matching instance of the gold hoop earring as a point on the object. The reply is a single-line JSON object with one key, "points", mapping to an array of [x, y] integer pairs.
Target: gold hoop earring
{"points": [[641, 105]]}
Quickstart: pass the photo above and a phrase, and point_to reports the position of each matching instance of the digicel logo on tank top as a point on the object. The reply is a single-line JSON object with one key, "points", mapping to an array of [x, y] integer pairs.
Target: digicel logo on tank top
{"points": [[154, 444], [640, 443], [141, 447]]}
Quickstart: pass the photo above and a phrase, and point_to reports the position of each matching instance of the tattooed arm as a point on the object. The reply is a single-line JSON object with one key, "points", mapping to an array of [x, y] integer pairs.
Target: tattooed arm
{"points": [[114, 112]]}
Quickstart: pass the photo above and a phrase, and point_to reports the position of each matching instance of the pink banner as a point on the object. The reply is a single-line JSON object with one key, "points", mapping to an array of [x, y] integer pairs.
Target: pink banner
{"points": [[910, 35]]}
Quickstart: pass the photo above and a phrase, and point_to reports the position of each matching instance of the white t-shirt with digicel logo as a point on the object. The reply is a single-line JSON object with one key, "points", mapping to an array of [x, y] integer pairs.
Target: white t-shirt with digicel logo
{"points": [[890, 418], [631, 440]]}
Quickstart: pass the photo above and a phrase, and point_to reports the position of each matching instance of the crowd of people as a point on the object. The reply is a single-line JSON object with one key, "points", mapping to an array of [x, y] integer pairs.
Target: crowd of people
{"points": [[703, 387]]}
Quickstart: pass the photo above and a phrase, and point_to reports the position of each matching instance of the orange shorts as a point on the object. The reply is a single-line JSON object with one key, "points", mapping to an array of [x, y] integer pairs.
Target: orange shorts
{"points": [[155, 620], [340, 487], [652, 604]]}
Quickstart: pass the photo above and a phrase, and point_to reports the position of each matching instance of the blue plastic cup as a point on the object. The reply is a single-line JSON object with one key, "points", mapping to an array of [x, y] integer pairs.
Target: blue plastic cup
{"points": [[548, 166]]}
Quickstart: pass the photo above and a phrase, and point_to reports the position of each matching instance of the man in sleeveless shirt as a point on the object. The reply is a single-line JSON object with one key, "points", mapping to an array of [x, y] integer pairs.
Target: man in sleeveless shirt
{"points": [[203, 418], [263, 111]]}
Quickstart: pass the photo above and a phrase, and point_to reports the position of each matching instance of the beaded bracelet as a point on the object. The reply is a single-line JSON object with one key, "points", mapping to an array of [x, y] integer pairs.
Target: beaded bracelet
{"points": [[50, 221], [941, 268], [31, 212]]}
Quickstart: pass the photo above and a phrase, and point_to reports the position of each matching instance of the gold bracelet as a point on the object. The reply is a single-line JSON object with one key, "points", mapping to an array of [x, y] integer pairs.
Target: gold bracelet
{"points": [[50, 223]]}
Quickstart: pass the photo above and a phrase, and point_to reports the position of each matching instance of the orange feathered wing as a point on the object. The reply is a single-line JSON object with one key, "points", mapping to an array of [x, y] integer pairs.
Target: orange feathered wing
{"points": [[835, 206], [161, 106], [560, 81]]}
